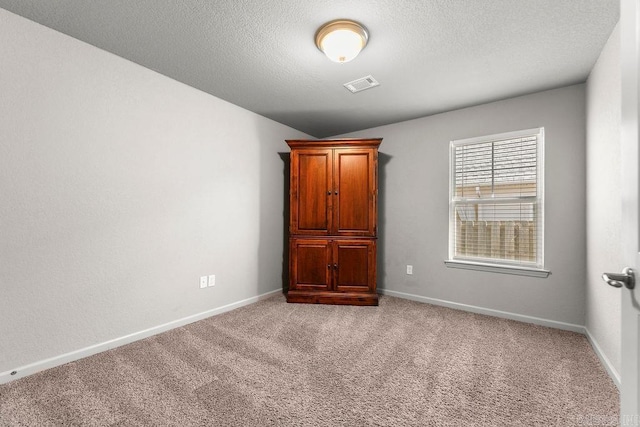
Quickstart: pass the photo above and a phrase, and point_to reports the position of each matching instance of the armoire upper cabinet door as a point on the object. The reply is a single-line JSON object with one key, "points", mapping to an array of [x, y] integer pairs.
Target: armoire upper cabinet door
{"points": [[354, 205], [311, 191]]}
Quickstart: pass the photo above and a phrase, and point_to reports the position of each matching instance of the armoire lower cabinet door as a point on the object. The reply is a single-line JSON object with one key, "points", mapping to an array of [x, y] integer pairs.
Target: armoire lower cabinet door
{"points": [[354, 265], [311, 266]]}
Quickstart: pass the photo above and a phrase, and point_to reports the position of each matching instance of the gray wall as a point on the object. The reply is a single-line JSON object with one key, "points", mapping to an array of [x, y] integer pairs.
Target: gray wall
{"points": [[414, 207], [604, 199], [119, 187]]}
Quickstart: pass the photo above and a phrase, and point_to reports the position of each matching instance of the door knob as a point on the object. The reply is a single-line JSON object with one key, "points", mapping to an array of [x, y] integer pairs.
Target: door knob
{"points": [[617, 280]]}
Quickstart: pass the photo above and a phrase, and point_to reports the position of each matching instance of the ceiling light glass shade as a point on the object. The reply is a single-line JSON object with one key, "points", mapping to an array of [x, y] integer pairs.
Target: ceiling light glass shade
{"points": [[341, 40]]}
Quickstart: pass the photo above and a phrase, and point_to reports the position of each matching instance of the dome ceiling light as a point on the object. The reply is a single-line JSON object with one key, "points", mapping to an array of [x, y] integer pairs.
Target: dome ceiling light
{"points": [[341, 40]]}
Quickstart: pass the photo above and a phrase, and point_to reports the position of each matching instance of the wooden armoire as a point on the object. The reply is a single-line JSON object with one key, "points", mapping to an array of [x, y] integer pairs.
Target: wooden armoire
{"points": [[333, 221]]}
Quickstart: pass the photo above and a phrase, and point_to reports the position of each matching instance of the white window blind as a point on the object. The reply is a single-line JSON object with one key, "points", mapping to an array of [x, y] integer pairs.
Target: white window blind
{"points": [[496, 199]]}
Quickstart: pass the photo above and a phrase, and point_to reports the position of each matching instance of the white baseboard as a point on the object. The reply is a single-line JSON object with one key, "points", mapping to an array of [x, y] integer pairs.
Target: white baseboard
{"points": [[613, 373], [487, 311], [615, 376], [41, 365]]}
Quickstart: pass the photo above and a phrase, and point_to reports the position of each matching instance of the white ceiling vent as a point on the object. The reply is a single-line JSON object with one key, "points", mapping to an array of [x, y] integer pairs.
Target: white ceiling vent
{"points": [[361, 84]]}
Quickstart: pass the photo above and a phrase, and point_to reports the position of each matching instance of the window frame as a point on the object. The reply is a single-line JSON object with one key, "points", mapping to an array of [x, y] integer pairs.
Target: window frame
{"points": [[534, 268]]}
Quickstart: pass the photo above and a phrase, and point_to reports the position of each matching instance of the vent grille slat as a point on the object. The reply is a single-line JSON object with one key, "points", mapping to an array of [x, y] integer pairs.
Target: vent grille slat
{"points": [[358, 85]]}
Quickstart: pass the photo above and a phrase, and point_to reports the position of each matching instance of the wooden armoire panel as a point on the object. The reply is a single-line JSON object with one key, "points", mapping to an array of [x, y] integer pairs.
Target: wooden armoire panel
{"points": [[311, 264], [311, 183], [333, 221], [354, 173], [354, 265]]}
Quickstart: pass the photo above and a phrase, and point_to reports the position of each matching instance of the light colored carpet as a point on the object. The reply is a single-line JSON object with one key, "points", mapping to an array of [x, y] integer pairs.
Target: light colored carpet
{"points": [[272, 363]]}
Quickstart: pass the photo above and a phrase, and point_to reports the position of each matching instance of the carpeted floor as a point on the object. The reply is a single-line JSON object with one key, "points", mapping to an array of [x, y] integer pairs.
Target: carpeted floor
{"points": [[271, 363]]}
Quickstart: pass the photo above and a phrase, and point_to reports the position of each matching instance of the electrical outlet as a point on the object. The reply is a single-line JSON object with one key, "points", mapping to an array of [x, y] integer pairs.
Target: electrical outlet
{"points": [[409, 269], [203, 282], [212, 280]]}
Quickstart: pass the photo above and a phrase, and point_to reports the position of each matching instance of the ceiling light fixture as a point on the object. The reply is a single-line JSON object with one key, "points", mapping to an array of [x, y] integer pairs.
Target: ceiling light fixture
{"points": [[341, 40]]}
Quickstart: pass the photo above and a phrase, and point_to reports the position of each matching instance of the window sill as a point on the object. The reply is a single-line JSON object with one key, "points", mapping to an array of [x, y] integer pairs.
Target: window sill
{"points": [[503, 269]]}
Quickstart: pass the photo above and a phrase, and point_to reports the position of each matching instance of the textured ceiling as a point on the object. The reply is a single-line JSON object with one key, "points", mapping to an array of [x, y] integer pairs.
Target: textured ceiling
{"points": [[429, 56]]}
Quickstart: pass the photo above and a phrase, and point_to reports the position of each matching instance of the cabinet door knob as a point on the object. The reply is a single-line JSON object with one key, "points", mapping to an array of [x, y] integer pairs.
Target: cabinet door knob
{"points": [[335, 266], [335, 192], [329, 193]]}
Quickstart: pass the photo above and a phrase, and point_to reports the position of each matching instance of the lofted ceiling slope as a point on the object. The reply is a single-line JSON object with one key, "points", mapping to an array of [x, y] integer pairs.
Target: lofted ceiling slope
{"points": [[429, 56]]}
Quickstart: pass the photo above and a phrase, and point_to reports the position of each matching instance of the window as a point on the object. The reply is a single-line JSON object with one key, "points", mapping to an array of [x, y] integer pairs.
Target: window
{"points": [[496, 203]]}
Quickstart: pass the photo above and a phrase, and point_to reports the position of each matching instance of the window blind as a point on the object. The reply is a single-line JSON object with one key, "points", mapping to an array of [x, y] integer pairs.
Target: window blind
{"points": [[496, 169], [496, 199]]}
